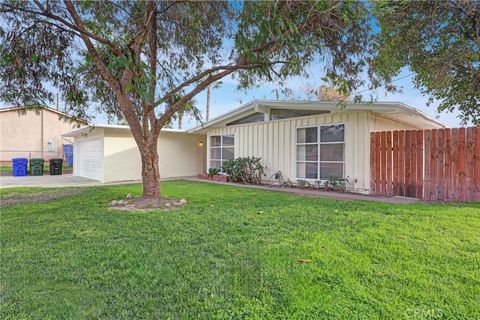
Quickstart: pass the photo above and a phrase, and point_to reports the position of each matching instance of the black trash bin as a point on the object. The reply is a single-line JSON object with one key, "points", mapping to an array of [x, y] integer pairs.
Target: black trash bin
{"points": [[56, 166]]}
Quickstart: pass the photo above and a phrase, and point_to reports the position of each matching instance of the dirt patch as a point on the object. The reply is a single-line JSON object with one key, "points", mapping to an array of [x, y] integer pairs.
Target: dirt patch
{"points": [[17, 198], [146, 204]]}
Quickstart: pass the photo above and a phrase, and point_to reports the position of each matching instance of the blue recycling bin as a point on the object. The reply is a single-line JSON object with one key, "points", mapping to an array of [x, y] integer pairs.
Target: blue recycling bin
{"points": [[68, 153], [19, 167]]}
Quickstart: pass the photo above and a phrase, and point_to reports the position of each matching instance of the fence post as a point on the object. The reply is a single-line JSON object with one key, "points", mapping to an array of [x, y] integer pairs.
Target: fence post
{"points": [[428, 166], [401, 163], [419, 155], [389, 164], [440, 164], [470, 163], [476, 176], [447, 139], [462, 175], [373, 178], [395, 164], [454, 180]]}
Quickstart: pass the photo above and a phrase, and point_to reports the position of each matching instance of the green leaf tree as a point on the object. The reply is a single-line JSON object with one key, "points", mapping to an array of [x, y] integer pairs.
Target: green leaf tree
{"points": [[440, 42], [130, 58]]}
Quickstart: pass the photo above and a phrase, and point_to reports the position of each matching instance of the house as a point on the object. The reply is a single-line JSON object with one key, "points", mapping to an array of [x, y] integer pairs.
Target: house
{"points": [[304, 140], [34, 133], [108, 153]]}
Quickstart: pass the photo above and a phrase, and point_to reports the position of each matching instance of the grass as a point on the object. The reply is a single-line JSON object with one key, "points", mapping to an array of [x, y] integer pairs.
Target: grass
{"points": [[234, 253], [46, 168]]}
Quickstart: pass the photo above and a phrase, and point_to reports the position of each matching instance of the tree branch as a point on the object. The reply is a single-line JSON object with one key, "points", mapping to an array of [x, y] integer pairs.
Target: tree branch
{"points": [[125, 103]]}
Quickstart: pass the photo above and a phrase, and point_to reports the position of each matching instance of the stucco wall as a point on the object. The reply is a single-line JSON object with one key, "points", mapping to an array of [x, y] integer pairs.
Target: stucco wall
{"points": [[274, 142], [180, 155], [21, 134]]}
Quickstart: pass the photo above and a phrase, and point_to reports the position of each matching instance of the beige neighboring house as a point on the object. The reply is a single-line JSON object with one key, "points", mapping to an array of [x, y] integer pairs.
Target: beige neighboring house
{"points": [[28, 133], [304, 140]]}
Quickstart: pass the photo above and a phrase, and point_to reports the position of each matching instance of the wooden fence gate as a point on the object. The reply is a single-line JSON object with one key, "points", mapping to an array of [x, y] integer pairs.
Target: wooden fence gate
{"points": [[433, 165]]}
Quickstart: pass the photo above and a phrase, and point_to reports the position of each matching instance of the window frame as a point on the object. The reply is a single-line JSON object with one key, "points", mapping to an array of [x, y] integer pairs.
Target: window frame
{"points": [[318, 144], [220, 147]]}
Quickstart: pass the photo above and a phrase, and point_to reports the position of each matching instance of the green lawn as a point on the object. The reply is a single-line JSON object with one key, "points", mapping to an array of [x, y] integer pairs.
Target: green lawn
{"points": [[234, 253]]}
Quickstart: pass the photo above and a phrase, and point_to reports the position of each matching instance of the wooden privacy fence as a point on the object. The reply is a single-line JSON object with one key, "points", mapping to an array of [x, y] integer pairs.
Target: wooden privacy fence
{"points": [[433, 165]]}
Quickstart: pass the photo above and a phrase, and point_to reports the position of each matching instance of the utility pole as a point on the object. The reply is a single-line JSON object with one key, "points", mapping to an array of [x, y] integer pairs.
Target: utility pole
{"points": [[207, 109]]}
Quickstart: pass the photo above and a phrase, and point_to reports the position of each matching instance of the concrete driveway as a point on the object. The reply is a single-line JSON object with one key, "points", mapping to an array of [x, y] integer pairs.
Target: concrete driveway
{"points": [[46, 181]]}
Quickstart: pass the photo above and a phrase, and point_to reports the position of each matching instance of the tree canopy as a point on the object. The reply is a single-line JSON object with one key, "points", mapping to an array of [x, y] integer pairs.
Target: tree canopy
{"points": [[440, 42], [135, 57]]}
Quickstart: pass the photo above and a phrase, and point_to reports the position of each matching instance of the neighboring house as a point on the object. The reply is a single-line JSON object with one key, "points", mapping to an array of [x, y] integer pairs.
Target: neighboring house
{"points": [[35, 133], [304, 140]]}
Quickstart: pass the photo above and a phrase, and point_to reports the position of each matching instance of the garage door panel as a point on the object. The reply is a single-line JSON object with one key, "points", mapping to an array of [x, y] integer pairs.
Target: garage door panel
{"points": [[90, 153]]}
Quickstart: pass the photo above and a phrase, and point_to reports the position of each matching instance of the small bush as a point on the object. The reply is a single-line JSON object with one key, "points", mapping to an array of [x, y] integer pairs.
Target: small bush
{"points": [[337, 184], [213, 172], [244, 170]]}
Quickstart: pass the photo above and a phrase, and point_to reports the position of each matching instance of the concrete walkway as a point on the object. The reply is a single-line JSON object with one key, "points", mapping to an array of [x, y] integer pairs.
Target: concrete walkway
{"points": [[64, 180], [46, 181], [316, 193]]}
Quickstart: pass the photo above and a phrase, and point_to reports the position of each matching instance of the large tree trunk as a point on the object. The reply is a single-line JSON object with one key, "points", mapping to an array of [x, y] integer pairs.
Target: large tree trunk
{"points": [[150, 171]]}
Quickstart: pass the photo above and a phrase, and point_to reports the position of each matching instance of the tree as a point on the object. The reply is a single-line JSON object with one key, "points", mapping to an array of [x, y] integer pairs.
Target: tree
{"points": [[215, 85], [130, 58], [440, 42]]}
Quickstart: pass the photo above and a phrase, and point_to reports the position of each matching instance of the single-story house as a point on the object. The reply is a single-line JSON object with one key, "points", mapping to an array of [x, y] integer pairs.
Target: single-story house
{"points": [[29, 133], [305, 140]]}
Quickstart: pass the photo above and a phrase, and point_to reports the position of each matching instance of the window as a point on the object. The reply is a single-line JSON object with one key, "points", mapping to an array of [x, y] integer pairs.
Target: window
{"points": [[253, 118], [321, 152], [221, 148]]}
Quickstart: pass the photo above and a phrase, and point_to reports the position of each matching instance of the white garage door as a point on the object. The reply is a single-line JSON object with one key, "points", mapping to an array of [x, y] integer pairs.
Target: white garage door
{"points": [[90, 154]]}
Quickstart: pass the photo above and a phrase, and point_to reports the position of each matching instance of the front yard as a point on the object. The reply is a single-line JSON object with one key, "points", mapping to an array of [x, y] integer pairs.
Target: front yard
{"points": [[234, 253]]}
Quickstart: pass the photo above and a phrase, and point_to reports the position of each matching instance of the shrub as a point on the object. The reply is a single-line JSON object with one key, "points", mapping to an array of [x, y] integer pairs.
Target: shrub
{"points": [[213, 171], [244, 170], [337, 184]]}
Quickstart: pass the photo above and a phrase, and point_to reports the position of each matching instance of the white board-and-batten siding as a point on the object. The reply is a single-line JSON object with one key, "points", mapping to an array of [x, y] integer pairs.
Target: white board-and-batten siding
{"points": [[274, 142]]}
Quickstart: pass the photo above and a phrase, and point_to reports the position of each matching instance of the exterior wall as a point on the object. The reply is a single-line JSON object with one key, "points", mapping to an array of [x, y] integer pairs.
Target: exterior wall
{"points": [[379, 123], [180, 155], [21, 134], [274, 141]]}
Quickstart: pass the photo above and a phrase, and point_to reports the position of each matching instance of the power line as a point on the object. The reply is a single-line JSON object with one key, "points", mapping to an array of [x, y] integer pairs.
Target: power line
{"points": [[395, 80]]}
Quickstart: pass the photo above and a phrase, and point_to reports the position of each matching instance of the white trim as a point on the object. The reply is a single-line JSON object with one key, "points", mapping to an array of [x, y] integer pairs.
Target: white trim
{"points": [[90, 128], [221, 146], [318, 144], [380, 107]]}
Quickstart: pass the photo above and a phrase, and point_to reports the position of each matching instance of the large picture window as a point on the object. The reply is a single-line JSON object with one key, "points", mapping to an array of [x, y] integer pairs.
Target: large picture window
{"points": [[221, 148], [321, 152]]}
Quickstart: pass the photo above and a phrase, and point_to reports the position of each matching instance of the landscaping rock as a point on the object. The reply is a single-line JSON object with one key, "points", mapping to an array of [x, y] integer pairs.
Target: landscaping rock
{"points": [[114, 203], [183, 201], [129, 196], [168, 205]]}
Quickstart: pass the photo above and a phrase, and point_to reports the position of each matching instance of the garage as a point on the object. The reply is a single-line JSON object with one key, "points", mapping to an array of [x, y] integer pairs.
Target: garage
{"points": [[108, 153], [89, 162]]}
